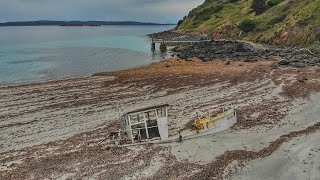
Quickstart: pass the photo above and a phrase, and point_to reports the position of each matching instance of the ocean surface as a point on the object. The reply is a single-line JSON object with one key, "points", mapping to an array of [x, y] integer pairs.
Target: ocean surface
{"points": [[33, 54]]}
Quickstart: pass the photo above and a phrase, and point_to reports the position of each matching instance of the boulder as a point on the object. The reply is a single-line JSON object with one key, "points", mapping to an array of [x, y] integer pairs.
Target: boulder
{"points": [[299, 65], [284, 62], [250, 60]]}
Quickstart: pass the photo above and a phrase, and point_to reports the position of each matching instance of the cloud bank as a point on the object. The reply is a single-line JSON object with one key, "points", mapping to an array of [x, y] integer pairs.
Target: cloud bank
{"points": [[162, 11]]}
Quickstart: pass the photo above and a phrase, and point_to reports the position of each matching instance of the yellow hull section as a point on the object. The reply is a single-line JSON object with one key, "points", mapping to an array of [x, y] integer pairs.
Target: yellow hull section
{"points": [[210, 122]]}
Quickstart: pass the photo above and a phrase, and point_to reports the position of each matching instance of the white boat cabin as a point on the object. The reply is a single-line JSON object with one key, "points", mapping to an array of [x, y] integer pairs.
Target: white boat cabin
{"points": [[145, 124]]}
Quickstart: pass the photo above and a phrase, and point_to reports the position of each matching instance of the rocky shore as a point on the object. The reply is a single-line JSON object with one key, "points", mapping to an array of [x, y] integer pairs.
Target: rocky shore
{"points": [[294, 57], [245, 51]]}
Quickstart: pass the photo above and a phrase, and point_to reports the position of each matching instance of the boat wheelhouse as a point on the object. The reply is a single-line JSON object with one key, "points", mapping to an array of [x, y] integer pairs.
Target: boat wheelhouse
{"points": [[145, 124]]}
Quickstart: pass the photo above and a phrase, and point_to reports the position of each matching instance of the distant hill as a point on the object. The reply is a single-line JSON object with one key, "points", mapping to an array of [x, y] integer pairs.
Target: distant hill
{"points": [[75, 23], [281, 22]]}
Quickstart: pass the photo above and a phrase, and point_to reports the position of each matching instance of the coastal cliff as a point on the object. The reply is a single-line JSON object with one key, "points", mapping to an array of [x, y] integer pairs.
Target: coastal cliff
{"points": [[277, 22]]}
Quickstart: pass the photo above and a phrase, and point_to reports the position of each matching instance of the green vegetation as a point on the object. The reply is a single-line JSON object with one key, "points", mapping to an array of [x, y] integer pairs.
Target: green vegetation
{"points": [[247, 25], [276, 20], [233, 1], [259, 6], [315, 47], [272, 3], [295, 22], [206, 14], [317, 38]]}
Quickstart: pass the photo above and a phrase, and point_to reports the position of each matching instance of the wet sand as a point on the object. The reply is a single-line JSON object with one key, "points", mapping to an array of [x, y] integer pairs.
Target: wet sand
{"points": [[52, 129]]}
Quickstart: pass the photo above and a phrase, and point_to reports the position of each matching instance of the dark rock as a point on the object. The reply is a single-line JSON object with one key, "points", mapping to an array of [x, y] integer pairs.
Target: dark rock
{"points": [[312, 61], [227, 63], [250, 60], [182, 56], [304, 79], [295, 60], [238, 54], [283, 54], [299, 65], [163, 47], [284, 62], [274, 66]]}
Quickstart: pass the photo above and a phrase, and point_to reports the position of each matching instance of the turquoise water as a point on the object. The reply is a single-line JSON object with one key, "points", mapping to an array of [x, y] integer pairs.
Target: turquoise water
{"points": [[32, 54]]}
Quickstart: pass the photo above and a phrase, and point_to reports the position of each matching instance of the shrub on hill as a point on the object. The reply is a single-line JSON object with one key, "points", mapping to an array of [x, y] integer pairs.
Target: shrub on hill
{"points": [[317, 37], [259, 6], [247, 25], [272, 3], [181, 21], [315, 47], [233, 1]]}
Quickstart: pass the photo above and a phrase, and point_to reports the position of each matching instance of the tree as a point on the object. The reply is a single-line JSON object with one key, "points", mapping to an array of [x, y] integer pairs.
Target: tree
{"points": [[259, 6]]}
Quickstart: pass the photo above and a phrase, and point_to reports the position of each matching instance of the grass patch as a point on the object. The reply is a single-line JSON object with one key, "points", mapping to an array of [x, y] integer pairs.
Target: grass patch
{"points": [[206, 14], [315, 47], [277, 19]]}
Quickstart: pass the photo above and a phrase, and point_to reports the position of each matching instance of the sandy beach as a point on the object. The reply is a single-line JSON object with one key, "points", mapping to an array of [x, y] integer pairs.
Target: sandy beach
{"points": [[52, 130]]}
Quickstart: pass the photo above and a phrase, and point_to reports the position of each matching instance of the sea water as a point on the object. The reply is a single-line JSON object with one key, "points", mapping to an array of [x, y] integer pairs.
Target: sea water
{"points": [[41, 53]]}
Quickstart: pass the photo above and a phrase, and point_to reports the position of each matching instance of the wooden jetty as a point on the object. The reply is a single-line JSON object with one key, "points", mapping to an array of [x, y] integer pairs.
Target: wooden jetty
{"points": [[163, 43]]}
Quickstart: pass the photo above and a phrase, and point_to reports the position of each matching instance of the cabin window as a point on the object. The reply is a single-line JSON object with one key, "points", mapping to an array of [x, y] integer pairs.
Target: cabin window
{"points": [[141, 117], [137, 118], [134, 119], [151, 116], [161, 112]]}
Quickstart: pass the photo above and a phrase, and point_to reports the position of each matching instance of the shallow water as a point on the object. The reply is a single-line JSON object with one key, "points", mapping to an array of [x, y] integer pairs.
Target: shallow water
{"points": [[32, 54]]}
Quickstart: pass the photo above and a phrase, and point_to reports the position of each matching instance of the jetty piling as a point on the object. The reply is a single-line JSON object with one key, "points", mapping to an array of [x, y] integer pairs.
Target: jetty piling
{"points": [[163, 47], [153, 45]]}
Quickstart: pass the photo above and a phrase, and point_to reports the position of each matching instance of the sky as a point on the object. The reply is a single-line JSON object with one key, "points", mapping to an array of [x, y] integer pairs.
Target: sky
{"points": [[159, 11]]}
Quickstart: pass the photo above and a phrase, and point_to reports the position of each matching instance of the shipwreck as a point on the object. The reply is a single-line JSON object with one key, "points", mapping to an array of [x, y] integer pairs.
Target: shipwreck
{"points": [[151, 125]]}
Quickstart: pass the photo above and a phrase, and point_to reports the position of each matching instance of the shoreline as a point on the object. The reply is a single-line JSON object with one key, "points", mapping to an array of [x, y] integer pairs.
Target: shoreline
{"points": [[221, 49], [70, 116], [63, 120], [42, 82], [72, 78]]}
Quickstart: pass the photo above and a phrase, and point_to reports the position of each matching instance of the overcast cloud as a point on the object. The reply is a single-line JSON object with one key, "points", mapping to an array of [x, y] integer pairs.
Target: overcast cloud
{"points": [[162, 11]]}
